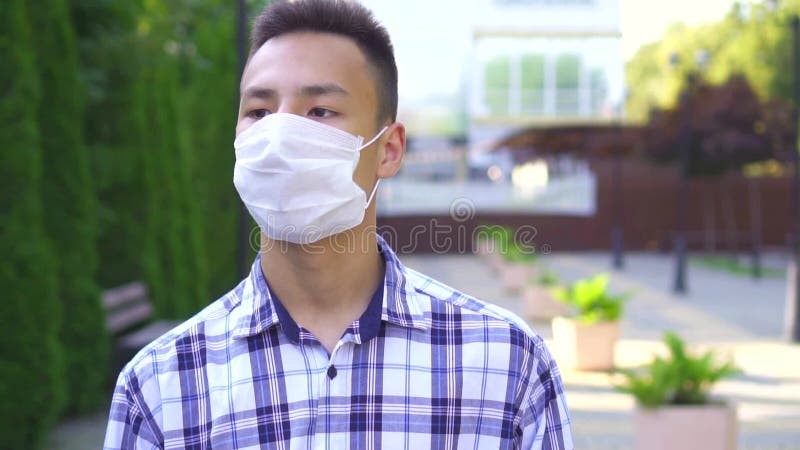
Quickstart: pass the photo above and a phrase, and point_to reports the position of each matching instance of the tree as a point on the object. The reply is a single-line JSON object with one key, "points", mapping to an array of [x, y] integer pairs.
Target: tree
{"points": [[727, 129], [152, 226], [210, 61], [175, 258], [31, 369], [109, 62], [656, 78], [754, 42], [70, 215]]}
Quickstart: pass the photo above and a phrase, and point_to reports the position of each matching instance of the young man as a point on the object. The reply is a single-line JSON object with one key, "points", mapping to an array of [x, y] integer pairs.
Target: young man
{"points": [[331, 342]]}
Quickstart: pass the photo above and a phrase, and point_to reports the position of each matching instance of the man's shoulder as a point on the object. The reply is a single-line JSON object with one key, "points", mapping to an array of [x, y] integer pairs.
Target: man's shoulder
{"points": [[455, 318], [437, 296], [212, 323]]}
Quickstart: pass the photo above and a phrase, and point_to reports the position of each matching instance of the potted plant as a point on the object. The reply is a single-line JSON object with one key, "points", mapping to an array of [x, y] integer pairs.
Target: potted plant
{"points": [[586, 340], [540, 303], [674, 409], [517, 268], [488, 244], [517, 263]]}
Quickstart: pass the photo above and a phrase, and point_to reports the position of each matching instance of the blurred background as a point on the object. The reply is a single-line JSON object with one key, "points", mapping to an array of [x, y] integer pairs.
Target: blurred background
{"points": [[655, 141]]}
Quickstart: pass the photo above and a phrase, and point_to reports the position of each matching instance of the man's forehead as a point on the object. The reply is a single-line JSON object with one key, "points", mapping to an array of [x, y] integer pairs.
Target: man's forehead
{"points": [[308, 48], [326, 57]]}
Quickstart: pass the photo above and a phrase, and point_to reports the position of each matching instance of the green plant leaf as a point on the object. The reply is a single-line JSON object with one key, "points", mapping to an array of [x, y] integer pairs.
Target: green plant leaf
{"points": [[591, 299], [547, 279], [679, 379]]}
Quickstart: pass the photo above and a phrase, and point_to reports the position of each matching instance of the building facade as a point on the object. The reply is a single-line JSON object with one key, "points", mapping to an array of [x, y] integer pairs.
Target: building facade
{"points": [[541, 63]]}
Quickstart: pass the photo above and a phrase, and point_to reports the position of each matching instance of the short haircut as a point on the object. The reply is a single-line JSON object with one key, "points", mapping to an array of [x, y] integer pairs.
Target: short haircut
{"points": [[342, 17]]}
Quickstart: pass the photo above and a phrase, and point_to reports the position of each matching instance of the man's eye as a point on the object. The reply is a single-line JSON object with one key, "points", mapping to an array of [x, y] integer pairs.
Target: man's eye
{"points": [[321, 113], [258, 113]]}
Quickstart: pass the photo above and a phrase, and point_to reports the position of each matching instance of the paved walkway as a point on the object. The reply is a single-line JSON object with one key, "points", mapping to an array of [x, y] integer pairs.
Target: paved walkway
{"points": [[738, 315]]}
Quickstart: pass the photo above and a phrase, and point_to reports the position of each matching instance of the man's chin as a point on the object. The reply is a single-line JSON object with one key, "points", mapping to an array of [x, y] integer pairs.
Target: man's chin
{"points": [[359, 239]]}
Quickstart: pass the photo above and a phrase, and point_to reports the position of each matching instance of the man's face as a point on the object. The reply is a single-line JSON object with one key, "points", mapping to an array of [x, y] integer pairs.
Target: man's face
{"points": [[321, 76]]}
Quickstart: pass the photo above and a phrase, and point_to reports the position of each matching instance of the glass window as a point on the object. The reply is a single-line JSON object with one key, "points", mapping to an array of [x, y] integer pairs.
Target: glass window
{"points": [[532, 74], [568, 73], [497, 80]]}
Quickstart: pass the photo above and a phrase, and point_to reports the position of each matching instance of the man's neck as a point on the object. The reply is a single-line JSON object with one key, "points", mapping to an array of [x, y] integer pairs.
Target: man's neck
{"points": [[327, 285]]}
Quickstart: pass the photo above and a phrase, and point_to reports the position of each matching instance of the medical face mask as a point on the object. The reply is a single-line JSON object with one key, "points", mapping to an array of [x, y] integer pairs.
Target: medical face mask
{"points": [[295, 176]]}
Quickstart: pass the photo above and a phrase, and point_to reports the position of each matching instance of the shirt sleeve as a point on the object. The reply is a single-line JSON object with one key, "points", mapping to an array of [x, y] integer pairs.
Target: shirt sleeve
{"points": [[129, 426], [547, 424]]}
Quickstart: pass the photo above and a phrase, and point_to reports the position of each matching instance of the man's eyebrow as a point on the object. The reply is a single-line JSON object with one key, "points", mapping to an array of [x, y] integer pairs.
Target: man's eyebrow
{"points": [[260, 93], [312, 90], [316, 90]]}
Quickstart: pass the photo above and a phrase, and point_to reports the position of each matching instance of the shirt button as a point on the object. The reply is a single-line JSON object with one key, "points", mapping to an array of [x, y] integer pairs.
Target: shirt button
{"points": [[332, 372]]}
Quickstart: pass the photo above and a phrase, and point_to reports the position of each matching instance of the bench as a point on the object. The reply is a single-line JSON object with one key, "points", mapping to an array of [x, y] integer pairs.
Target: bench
{"points": [[129, 316]]}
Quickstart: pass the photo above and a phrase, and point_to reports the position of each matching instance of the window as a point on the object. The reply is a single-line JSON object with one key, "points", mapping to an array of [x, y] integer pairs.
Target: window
{"points": [[568, 73], [497, 81], [532, 80]]}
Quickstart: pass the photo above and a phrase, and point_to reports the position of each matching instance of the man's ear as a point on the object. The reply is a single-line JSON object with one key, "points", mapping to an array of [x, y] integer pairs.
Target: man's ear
{"points": [[393, 151]]}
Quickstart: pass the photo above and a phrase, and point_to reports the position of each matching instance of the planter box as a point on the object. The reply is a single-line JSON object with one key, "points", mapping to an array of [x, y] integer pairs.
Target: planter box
{"points": [[706, 427], [540, 303], [515, 275], [585, 347], [495, 262], [484, 247]]}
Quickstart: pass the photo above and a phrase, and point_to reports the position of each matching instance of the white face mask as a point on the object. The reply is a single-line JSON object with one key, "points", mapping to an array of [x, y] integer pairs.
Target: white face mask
{"points": [[295, 176]]}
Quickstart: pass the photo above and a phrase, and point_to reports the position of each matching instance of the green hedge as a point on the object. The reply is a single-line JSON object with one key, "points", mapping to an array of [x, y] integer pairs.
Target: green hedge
{"points": [[174, 260], [109, 63], [209, 136], [175, 265], [71, 206], [116, 165], [32, 391], [152, 208]]}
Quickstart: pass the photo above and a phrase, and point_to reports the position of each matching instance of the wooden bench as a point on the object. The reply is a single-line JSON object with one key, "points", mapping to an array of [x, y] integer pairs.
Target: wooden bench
{"points": [[129, 316]]}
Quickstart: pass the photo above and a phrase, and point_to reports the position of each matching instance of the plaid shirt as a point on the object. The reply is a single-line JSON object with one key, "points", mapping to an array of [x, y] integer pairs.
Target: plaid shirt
{"points": [[425, 367]]}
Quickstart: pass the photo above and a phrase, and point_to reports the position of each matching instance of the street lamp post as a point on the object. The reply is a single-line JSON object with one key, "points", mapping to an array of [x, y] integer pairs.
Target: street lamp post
{"points": [[679, 240], [680, 235], [617, 236], [793, 292], [680, 244]]}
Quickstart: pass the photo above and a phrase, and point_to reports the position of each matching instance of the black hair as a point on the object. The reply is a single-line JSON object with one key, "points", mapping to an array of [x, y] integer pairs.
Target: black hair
{"points": [[342, 17]]}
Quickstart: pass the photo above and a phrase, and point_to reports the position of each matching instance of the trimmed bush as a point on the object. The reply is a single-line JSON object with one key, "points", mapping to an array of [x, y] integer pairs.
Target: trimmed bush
{"points": [[31, 367], [212, 120], [151, 224], [174, 255], [109, 65], [71, 207]]}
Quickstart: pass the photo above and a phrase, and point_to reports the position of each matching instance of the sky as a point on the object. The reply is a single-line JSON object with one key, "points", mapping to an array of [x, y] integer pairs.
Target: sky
{"points": [[644, 21], [432, 37]]}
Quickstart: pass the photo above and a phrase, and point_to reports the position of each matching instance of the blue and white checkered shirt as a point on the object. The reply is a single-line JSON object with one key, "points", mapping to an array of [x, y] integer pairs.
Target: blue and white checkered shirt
{"points": [[425, 367]]}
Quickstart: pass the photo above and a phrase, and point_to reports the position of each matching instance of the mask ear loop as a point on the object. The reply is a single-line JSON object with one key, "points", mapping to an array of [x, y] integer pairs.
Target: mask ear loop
{"points": [[374, 190], [380, 133]]}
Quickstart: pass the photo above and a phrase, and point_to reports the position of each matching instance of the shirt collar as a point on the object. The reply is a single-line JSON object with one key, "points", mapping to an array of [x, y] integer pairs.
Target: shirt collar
{"points": [[362, 330], [399, 305]]}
